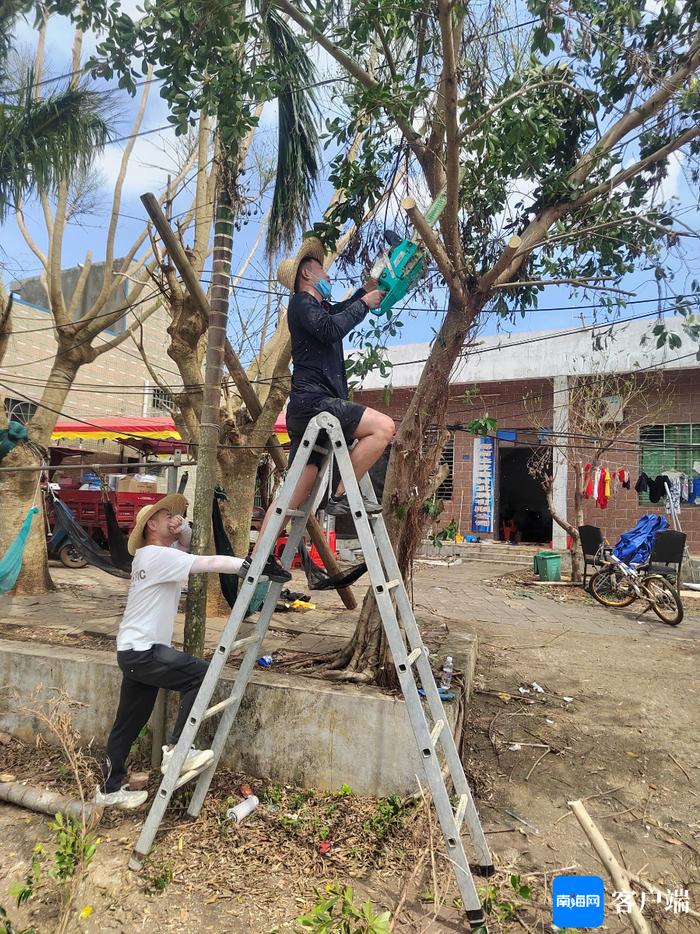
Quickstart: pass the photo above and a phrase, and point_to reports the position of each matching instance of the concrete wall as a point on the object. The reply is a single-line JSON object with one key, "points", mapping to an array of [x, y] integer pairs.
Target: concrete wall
{"points": [[289, 729], [621, 348]]}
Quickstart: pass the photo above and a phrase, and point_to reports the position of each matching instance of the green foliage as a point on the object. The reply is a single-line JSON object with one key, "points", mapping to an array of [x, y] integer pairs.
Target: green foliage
{"points": [[23, 891], [482, 426], [506, 907], [270, 794], [159, 879], [345, 791], [222, 60], [75, 847], [433, 508], [388, 816], [446, 534], [336, 913]]}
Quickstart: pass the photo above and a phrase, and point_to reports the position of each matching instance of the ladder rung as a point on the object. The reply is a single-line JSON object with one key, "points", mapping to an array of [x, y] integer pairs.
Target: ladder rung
{"points": [[415, 655], [193, 773], [217, 708], [436, 731], [241, 643], [461, 810], [391, 584], [319, 450], [295, 513]]}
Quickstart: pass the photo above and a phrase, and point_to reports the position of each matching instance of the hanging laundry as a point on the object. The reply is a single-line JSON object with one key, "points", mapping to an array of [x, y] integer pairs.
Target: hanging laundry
{"points": [[657, 487], [643, 483], [603, 485], [588, 481], [673, 497], [625, 478], [685, 487]]}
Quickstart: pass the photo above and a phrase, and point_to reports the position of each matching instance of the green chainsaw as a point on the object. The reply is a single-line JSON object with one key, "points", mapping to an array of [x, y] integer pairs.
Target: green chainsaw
{"points": [[398, 269]]}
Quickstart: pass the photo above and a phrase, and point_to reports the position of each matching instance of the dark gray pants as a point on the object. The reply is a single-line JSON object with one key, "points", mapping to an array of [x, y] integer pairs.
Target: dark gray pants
{"points": [[144, 673]]}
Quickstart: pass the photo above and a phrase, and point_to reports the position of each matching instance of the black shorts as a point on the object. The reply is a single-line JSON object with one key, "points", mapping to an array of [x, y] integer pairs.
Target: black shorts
{"points": [[347, 413]]}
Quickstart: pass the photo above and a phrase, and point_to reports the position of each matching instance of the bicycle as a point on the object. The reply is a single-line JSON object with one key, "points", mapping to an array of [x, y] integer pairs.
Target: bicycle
{"points": [[618, 585]]}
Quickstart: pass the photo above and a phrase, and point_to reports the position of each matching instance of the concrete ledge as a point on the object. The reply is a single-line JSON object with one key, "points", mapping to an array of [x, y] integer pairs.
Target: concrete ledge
{"points": [[289, 729]]}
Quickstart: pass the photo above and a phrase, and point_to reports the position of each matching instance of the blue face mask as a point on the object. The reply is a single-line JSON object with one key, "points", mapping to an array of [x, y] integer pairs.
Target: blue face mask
{"points": [[324, 288]]}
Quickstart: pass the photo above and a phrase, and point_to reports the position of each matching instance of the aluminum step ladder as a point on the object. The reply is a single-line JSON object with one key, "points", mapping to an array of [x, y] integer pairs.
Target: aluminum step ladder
{"points": [[430, 727]]}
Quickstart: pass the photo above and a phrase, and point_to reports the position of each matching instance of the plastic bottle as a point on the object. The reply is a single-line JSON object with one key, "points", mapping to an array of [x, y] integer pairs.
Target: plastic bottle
{"points": [[242, 810], [447, 670]]}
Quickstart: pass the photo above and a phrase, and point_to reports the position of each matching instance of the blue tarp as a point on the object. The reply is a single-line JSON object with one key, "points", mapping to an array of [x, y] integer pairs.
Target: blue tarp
{"points": [[635, 546]]}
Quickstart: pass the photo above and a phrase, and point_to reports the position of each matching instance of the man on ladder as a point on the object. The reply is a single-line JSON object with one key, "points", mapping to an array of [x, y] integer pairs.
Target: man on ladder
{"points": [[319, 383], [160, 544]]}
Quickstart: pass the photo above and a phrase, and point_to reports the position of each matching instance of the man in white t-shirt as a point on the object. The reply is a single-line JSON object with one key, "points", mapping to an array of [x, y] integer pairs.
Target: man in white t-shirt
{"points": [[159, 543]]}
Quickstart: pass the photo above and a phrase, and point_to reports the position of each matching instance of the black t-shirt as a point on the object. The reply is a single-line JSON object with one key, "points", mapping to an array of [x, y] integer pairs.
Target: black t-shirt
{"points": [[317, 330]]}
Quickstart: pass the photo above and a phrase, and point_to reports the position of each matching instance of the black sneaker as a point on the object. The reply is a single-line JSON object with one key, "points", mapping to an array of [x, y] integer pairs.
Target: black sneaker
{"points": [[273, 570], [341, 507]]}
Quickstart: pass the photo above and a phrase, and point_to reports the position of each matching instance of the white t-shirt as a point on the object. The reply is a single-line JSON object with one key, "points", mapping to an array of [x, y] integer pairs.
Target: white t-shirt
{"points": [[157, 575]]}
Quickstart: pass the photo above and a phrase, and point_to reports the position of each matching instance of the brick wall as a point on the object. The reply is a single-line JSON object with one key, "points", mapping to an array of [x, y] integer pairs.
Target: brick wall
{"points": [[515, 404]]}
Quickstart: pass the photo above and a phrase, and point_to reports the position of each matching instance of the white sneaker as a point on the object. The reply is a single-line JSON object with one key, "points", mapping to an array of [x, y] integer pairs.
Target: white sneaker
{"points": [[195, 759], [124, 798]]}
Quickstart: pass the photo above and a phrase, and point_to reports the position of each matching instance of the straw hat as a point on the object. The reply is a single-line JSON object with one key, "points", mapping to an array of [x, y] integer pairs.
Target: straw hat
{"points": [[174, 502], [287, 271]]}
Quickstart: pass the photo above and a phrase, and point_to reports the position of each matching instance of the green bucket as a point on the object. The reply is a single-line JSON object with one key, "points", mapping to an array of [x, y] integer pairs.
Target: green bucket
{"points": [[541, 556], [550, 568]]}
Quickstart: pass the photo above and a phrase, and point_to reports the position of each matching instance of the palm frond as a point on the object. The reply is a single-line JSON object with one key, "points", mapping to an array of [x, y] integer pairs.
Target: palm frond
{"points": [[45, 141], [297, 144]]}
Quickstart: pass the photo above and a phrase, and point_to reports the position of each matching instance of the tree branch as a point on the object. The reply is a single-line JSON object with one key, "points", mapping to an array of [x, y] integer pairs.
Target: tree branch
{"points": [[29, 240], [434, 247], [634, 169], [120, 338], [116, 200], [585, 282], [352, 67], [450, 219]]}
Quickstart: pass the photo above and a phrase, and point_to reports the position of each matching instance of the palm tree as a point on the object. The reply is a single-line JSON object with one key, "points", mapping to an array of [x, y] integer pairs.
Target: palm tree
{"points": [[43, 140]]}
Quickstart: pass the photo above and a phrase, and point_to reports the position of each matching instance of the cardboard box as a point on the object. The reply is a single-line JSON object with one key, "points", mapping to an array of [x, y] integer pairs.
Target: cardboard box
{"points": [[142, 486], [124, 484], [114, 478]]}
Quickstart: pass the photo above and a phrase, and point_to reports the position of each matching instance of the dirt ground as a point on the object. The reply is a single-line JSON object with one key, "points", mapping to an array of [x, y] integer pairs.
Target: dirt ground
{"points": [[612, 721]]}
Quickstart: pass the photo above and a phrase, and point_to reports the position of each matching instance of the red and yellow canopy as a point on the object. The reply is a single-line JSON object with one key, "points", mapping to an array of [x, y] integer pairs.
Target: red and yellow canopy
{"points": [[160, 428]]}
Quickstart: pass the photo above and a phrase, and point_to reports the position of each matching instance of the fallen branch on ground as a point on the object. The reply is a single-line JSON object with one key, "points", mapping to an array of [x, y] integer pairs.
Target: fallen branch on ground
{"points": [[619, 876]]}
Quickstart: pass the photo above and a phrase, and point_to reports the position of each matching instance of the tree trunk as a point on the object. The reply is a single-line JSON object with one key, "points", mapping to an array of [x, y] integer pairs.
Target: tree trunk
{"points": [[18, 491], [413, 467], [562, 521], [238, 474], [195, 607]]}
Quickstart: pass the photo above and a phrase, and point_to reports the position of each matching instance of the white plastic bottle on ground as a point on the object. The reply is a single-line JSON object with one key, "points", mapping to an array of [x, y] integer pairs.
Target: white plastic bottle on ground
{"points": [[447, 671]]}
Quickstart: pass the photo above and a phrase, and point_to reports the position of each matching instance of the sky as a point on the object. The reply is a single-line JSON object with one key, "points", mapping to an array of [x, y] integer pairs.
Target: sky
{"points": [[153, 159]]}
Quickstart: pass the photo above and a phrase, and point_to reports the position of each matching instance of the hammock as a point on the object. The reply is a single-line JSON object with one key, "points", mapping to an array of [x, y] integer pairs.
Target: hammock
{"points": [[222, 546], [118, 551], [82, 542], [11, 561]]}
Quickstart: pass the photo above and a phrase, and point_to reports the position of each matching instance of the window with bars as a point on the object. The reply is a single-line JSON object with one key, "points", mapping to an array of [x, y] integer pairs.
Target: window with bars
{"points": [[19, 410], [446, 490], [162, 400], [669, 447]]}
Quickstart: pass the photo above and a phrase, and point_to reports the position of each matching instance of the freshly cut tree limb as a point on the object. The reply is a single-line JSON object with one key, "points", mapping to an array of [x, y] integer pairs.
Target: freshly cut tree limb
{"points": [[616, 872], [433, 245], [503, 262]]}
